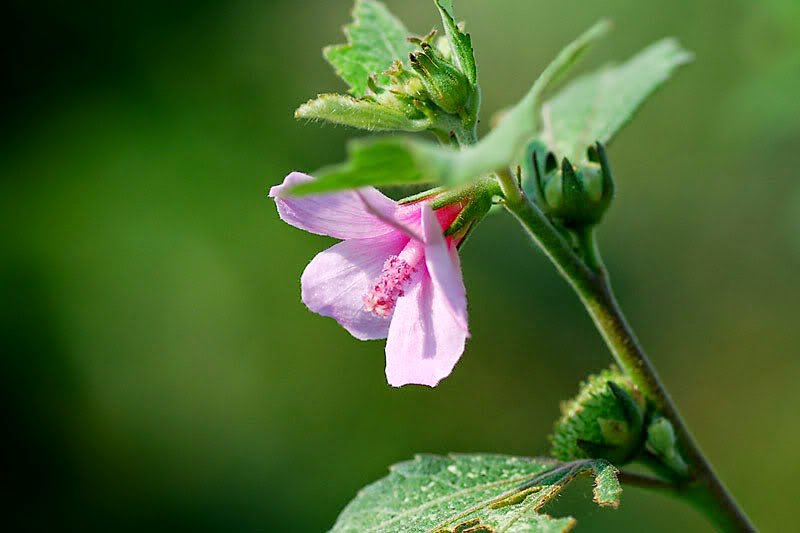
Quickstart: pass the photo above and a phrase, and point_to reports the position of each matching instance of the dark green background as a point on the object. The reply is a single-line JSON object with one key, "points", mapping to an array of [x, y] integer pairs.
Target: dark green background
{"points": [[159, 370]]}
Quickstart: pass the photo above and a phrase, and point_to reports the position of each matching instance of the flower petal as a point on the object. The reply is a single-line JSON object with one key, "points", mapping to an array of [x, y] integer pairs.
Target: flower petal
{"points": [[342, 215], [444, 267], [425, 342], [335, 282]]}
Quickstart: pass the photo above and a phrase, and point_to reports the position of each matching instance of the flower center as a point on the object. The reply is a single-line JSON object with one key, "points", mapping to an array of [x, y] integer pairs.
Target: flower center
{"points": [[396, 273]]}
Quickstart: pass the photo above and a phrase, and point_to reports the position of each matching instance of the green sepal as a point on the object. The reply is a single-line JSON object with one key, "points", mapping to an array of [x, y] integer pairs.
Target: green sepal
{"points": [[631, 408], [573, 192], [473, 212], [424, 195], [550, 163], [596, 153], [460, 42], [476, 198], [539, 156]]}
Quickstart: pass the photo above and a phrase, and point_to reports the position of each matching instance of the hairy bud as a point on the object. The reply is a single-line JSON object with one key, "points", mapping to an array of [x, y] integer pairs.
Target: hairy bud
{"points": [[605, 420], [447, 87]]}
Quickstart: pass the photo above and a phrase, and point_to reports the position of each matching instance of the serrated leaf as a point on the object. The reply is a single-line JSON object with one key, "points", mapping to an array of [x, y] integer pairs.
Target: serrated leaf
{"points": [[376, 38], [606, 484], [460, 42], [459, 492], [419, 161], [359, 113], [596, 106]]}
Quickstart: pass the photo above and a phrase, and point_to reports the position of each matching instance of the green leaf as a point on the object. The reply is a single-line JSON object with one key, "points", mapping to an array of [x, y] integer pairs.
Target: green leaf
{"points": [[460, 42], [375, 162], [606, 484], [418, 161], [359, 113], [596, 106], [455, 493], [376, 38]]}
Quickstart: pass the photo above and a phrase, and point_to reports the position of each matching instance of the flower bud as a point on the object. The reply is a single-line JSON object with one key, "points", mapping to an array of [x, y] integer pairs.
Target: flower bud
{"points": [[447, 87], [576, 195], [604, 421], [662, 443], [401, 95], [403, 82]]}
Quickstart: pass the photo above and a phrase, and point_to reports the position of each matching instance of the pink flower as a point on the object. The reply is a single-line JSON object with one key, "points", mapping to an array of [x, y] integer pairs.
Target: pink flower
{"points": [[395, 276]]}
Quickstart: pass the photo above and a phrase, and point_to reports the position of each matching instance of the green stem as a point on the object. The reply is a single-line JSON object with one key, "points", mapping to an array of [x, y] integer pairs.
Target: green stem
{"points": [[589, 249], [694, 495], [645, 482], [542, 231], [451, 130], [466, 134], [705, 490]]}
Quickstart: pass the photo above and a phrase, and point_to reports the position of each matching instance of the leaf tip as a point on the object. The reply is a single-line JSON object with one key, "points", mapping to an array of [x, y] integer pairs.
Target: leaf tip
{"points": [[602, 27], [303, 111], [570, 525], [607, 488], [311, 109], [674, 46]]}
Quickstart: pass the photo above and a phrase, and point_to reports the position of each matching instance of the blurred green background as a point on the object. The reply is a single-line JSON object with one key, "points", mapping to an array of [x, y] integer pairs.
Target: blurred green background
{"points": [[159, 370]]}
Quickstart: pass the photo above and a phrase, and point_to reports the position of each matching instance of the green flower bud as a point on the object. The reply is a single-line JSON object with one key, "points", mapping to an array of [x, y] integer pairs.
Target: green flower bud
{"points": [[605, 420], [404, 83], [576, 195], [661, 436], [447, 87], [662, 443], [397, 106]]}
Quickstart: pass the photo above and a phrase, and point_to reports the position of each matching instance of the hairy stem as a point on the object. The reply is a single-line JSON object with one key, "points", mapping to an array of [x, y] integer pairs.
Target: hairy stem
{"points": [[705, 490]]}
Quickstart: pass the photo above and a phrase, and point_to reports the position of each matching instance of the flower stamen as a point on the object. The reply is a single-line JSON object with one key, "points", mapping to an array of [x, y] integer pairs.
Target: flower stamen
{"points": [[381, 299]]}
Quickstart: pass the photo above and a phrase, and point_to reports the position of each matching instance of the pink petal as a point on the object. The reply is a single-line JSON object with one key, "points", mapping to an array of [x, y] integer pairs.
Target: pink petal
{"points": [[335, 282], [425, 342], [342, 215], [444, 267]]}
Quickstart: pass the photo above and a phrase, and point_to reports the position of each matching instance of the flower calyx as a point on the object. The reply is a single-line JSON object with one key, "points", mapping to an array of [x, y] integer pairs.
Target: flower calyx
{"points": [[474, 200], [604, 421], [446, 86], [576, 195]]}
